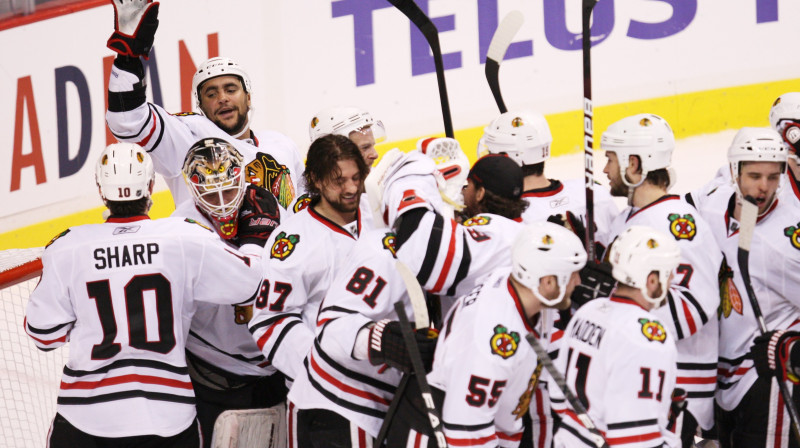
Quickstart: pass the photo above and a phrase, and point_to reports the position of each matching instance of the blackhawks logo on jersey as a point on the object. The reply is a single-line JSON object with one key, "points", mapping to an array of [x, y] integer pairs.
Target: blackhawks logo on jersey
{"points": [[682, 227], [477, 221], [284, 245], [730, 299], [266, 172], [653, 330], [503, 342], [793, 233], [525, 399], [388, 243], [56, 237], [185, 114], [301, 203]]}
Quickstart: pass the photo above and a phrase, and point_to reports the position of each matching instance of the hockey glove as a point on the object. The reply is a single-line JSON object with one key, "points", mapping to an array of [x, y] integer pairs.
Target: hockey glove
{"points": [[387, 346], [135, 24], [774, 354], [258, 216], [575, 225], [596, 281]]}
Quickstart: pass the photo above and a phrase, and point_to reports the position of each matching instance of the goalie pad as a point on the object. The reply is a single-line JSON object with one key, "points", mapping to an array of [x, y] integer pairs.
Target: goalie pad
{"points": [[244, 428], [135, 24]]}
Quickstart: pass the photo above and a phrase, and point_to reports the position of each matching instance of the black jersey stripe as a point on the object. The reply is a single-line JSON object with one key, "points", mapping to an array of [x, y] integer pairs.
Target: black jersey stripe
{"points": [[272, 320], [454, 427], [115, 396], [351, 374], [282, 335], [341, 401], [567, 426], [145, 363], [697, 306], [463, 267], [632, 424], [674, 312], [44, 331], [697, 366], [432, 251]]}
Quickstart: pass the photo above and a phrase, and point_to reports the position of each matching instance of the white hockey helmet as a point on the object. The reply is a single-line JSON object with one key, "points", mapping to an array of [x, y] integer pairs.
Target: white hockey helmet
{"points": [[214, 172], [124, 172], [755, 145], [647, 136], [343, 121], [640, 250], [541, 249], [215, 67], [523, 135], [453, 166]]}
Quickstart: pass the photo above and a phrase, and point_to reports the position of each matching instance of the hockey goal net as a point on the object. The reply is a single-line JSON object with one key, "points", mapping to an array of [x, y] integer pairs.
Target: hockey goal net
{"points": [[29, 378]]}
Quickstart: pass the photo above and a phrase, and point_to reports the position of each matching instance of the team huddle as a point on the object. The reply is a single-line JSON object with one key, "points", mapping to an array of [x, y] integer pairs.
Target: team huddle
{"points": [[280, 285]]}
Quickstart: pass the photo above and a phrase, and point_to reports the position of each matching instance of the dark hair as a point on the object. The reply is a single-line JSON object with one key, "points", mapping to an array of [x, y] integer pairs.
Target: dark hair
{"points": [[498, 205], [536, 169], [659, 177], [322, 158], [129, 208]]}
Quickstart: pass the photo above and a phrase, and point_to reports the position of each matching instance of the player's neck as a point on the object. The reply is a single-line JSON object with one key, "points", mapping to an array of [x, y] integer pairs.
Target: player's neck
{"points": [[325, 209], [534, 182], [646, 194], [530, 304], [634, 294]]}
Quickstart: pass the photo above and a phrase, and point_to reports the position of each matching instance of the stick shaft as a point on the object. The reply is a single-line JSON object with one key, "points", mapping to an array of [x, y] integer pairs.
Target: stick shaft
{"points": [[588, 125]]}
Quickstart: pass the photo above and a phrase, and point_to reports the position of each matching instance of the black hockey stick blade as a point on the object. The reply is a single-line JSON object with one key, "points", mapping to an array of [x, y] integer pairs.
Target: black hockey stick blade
{"points": [[577, 406], [434, 415], [747, 225], [588, 125], [501, 40], [428, 29]]}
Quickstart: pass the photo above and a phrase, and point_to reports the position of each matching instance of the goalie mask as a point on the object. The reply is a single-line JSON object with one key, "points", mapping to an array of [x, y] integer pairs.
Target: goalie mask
{"points": [[647, 136], [523, 136], [124, 172], [640, 250], [214, 174], [756, 145], [344, 121], [543, 249], [452, 169]]}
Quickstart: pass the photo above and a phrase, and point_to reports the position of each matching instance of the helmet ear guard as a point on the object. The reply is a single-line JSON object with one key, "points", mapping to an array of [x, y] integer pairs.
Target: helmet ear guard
{"points": [[213, 171], [542, 249], [637, 252], [522, 135], [646, 136], [124, 172]]}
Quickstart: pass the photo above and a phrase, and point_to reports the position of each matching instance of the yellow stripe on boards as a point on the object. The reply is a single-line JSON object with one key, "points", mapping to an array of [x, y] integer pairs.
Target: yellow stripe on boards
{"points": [[689, 114]]}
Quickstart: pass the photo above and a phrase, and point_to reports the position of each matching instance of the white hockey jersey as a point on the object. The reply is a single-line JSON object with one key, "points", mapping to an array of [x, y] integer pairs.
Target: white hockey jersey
{"points": [[619, 361], [364, 291], [219, 334], [123, 294], [569, 195], [272, 159], [691, 310], [485, 367], [774, 266], [300, 261]]}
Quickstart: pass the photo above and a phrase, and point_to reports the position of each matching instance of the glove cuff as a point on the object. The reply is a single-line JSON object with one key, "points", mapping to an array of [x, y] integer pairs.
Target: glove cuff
{"points": [[375, 354]]}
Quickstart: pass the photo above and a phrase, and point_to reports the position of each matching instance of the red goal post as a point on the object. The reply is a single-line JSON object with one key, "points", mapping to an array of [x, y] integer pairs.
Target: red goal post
{"points": [[29, 378]]}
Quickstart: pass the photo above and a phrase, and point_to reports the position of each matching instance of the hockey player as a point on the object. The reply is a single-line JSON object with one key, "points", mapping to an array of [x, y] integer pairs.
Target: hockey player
{"points": [[227, 368], [221, 89], [303, 254], [752, 413], [638, 152], [484, 373], [525, 137], [784, 116], [123, 293], [618, 357]]}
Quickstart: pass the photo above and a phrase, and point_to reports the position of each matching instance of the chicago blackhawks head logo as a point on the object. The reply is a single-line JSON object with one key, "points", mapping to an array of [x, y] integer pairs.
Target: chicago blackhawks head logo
{"points": [[266, 172], [653, 330], [388, 243], [793, 233], [503, 342], [682, 227], [477, 221], [284, 245], [730, 299]]}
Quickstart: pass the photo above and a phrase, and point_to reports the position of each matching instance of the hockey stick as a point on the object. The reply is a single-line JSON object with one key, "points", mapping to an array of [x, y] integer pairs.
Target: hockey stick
{"points": [[747, 223], [577, 406], [421, 320], [501, 40], [428, 29], [434, 415], [588, 125]]}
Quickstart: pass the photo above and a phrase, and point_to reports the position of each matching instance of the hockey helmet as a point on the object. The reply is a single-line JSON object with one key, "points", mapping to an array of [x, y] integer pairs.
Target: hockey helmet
{"points": [[541, 249], [215, 67], [523, 135], [640, 250], [124, 172], [647, 136], [344, 121]]}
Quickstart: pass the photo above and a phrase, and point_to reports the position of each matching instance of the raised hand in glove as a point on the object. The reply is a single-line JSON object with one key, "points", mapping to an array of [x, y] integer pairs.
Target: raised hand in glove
{"points": [[575, 224], [596, 281], [258, 216], [791, 134], [135, 24], [774, 354], [387, 346]]}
